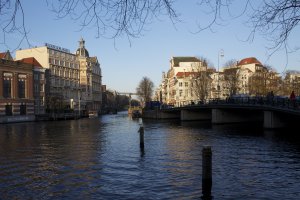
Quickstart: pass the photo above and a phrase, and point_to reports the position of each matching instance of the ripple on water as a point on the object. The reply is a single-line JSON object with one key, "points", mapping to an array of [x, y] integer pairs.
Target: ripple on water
{"points": [[101, 159]]}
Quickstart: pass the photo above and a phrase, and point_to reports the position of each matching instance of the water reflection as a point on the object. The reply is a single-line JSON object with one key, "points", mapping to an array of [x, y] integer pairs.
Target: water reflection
{"points": [[53, 155], [101, 159]]}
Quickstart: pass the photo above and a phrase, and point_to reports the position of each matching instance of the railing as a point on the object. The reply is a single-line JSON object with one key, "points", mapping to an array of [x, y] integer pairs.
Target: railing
{"points": [[280, 102]]}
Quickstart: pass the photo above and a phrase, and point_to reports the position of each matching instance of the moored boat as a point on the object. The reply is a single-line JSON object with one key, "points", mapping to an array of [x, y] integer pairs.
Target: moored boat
{"points": [[135, 111], [93, 114], [136, 114]]}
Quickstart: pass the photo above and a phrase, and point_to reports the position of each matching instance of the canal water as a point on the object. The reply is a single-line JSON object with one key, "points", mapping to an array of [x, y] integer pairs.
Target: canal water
{"points": [[100, 158]]}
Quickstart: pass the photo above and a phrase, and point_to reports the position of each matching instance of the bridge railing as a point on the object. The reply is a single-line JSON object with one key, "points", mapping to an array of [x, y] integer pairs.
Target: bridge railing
{"points": [[282, 102]]}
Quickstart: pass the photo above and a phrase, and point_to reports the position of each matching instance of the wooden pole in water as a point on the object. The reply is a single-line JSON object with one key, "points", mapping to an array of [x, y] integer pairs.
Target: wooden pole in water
{"points": [[206, 173], [141, 130]]}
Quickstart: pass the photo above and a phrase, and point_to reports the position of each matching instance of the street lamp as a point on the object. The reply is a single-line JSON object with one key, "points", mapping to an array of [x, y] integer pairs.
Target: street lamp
{"points": [[220, 54]]}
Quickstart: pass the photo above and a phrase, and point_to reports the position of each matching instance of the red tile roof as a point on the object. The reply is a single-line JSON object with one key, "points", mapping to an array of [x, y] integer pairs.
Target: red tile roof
{"points": [[251, 60], [6, 55], [32, 61], [185, 74], [2, 55]]}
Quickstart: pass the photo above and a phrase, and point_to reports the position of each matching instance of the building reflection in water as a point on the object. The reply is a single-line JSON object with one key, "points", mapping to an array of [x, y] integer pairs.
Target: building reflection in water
{"points": [[54, 154]]}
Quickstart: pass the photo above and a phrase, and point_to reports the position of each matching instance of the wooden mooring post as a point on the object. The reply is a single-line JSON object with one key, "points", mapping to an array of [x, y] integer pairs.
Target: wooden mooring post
{"points": [[141, 131], [206, 173]]}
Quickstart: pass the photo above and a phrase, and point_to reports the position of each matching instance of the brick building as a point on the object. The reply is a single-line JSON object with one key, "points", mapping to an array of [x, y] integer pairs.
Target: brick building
{"points": [[16, 90]]}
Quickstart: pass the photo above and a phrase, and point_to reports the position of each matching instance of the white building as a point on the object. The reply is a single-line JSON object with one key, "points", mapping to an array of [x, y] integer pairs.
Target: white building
{"points": [[177, 83], [177, 86], [74, 78], [247, 67]]}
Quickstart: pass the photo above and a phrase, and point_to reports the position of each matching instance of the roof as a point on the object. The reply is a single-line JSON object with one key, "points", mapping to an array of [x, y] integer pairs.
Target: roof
{"points": [[6, 55], [230, 70], [2, 55], [247, 61], [81, 51], [184, 74], [177, 60], [93, 59], [32, 61]]}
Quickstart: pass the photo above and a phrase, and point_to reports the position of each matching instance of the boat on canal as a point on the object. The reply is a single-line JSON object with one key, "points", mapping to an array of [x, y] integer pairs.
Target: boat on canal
{"points": [[136, 114], [93, 114], [135, 111]]}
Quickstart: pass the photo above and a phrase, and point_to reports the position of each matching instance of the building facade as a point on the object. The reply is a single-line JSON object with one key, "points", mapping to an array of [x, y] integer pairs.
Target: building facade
{"points": [[73, 81], [179, 84], [39, 85], [90, 79], [189, 81], [16, 90]]}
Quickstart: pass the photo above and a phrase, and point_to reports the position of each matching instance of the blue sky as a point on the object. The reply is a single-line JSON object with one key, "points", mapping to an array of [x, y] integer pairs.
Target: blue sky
{"points": [[124, 64]]}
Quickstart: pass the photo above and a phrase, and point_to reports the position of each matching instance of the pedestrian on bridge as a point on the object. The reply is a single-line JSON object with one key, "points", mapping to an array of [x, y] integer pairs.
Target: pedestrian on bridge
{"points": [[293, 99], [270, 98]]}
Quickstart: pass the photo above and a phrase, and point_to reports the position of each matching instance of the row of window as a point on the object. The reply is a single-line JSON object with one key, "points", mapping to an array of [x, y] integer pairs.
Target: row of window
{"points": [[186, 93], [64, 72], [67, 94], [63, 63], [97, 70], [37, 77], [62, 54], [186, 84], [62, 82], [7, 85]]}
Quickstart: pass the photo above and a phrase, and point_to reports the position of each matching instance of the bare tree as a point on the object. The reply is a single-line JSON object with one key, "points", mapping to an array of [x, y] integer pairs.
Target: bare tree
{"points": [[291, 82], [263, 81], [277, 19], [257, 84], [145, 89], [12, 20], [273, 80], [55, 104], [119, 16], [122, 102], [230, 63], [110, 99], [231, 76], [201, 80], [111, 19]]}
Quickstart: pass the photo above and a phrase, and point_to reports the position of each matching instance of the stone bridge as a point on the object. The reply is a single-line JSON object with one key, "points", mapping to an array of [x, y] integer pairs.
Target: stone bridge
{"points": [[271, 114]]}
